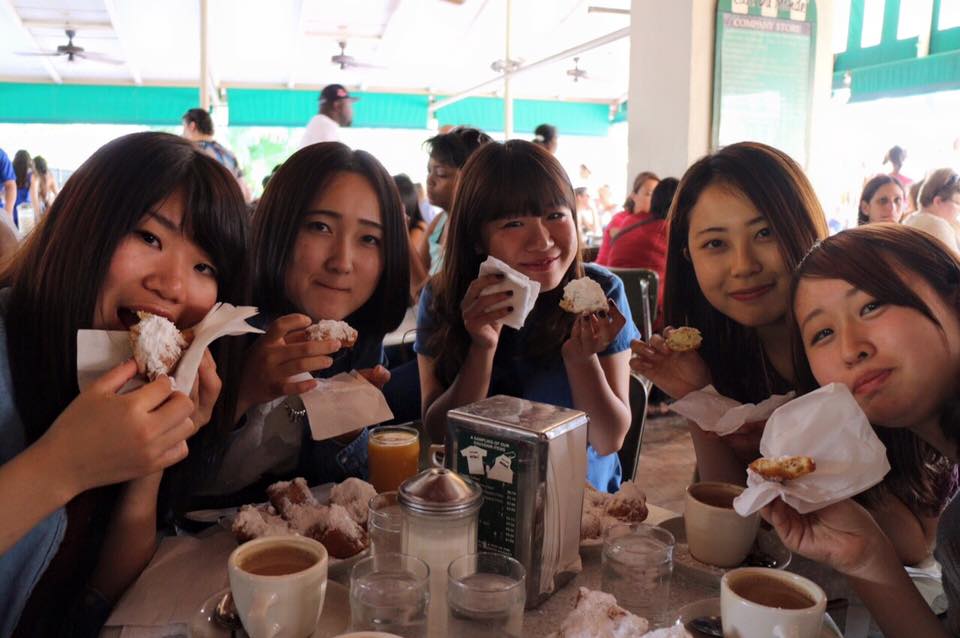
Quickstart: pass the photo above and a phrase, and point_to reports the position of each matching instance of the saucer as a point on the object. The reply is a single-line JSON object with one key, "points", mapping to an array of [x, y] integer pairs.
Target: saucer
{"points": [[334, 619], [767, 543], [711, 607]]}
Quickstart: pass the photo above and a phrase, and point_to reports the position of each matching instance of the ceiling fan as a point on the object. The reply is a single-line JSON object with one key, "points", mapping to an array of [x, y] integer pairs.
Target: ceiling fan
{"points": [[345, 61], [72, 51], [576, 72]]}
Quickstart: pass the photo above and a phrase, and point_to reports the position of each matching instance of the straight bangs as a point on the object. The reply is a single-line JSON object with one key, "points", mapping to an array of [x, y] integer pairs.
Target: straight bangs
{"points": [[523, 191], [500, 181]]}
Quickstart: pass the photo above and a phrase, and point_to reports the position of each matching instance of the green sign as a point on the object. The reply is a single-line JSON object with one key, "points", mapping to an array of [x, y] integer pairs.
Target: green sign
{"points": [[763, 73]]}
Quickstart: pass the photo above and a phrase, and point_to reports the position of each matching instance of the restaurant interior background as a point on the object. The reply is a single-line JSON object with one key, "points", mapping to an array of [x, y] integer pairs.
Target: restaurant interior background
{"points": [[896, 79]]}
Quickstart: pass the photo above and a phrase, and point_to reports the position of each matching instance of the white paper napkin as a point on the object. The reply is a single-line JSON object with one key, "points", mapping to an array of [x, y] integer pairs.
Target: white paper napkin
{"points": [[100, 350], [185, 571], [716, 413], [525, 291], [343, 403], [828, 426]]}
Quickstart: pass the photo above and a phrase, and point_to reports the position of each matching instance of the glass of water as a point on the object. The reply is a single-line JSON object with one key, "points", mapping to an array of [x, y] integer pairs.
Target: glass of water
{"points": [[637, 568], [485, 596], [390, 592], [384, 523]]}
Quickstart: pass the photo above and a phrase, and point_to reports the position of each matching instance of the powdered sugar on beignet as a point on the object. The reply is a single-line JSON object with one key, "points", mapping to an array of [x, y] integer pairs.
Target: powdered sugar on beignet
{"points": [[336, 330], [157, 345]]}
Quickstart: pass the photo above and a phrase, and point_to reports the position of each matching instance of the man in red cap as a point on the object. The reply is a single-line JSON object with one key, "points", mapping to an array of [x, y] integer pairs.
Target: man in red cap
{"points": [[336, 110]]}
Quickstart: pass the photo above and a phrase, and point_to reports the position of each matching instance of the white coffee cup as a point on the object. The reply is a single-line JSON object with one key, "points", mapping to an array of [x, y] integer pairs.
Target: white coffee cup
{"points": [[716, 534], [278, 585], [757, 602]]}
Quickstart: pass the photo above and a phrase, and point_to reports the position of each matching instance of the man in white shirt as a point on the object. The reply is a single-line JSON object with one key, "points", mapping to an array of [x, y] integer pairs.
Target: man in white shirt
{"points": [[336, 110]]}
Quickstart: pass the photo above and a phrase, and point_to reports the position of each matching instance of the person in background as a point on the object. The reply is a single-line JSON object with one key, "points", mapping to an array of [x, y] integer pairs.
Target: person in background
{"points": [[635, 208], [198, 128], [896, 156], [643, 244], [514, 202], [416, 229], [47, 188], [427, 211], [605, 205], [912, 203], [9, 179], [881, 201], [586, 215], [939, 207], [26, 183], [448, 153], [546, 136], [336, 110]]}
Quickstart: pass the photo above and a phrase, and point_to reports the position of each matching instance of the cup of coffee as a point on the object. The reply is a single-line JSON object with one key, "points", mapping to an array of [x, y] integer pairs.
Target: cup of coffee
{"points": [[716, 534], [757, 602], [278, 585]]}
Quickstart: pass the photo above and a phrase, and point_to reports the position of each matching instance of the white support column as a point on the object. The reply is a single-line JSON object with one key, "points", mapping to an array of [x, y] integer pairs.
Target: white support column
{"points": [[204, 57], [671, 84], [508, 64]]}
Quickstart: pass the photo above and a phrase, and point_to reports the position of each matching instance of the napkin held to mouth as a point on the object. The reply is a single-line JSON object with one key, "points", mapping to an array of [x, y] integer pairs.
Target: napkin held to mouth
{"points": [[98, 351], [828, 426]]}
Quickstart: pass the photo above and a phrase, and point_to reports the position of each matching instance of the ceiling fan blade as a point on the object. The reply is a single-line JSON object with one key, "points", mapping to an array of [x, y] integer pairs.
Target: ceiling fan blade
{"points": [[38, 53], [99, 57], [365, 65]]}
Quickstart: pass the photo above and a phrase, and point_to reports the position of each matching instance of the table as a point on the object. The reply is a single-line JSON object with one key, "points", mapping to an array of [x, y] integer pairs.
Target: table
{"points": [[206, 555]]}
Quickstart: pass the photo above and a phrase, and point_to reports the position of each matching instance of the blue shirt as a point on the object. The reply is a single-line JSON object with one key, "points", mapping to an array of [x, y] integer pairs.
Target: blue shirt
{"points": [[544, 381], [22, 565], [6, 172]]}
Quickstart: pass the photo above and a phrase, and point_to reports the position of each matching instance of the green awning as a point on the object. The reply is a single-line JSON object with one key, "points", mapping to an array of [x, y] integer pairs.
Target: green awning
{"points": [[940, 72], [95, 104]]}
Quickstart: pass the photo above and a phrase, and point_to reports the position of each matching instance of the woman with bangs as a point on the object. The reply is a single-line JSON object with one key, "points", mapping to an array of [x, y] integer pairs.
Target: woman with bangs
{"points": [[877, 308], [515, 203], [329, 242], [147, 223], [741, 220]]}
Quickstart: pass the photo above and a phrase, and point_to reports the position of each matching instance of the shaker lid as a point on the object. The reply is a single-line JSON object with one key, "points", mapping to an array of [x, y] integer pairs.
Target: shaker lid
{"points": [[440, 490]]}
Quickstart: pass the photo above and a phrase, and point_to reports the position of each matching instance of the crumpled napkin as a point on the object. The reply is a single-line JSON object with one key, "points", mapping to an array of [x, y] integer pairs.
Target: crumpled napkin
{"points": [[716, 413], [343, 403], [828, 426], [525, 291], [100, 350]]}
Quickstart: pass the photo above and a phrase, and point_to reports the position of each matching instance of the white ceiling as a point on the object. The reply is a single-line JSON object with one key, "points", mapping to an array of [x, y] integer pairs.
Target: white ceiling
{"points": [[442, 46]]}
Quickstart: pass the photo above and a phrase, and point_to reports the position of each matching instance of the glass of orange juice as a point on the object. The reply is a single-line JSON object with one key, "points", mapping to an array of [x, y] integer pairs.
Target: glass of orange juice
{"points": [[393, 456]]}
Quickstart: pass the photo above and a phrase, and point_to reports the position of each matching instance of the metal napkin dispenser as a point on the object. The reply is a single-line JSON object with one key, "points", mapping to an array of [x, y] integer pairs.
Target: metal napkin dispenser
{"points": [[531, 461]]}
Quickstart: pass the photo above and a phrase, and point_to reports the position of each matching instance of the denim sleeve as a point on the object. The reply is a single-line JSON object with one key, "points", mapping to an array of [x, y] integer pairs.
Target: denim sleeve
{"points": [[331, 461], [426, 323]]}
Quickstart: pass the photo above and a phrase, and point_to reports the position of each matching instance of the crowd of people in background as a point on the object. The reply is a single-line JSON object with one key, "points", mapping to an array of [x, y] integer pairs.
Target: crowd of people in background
{"points": [[739, 244]]}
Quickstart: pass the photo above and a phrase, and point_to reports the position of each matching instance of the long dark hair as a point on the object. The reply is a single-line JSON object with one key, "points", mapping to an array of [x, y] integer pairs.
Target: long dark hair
{"points": [[500, 180], [870, 258], [22, 165], [409, 200], [778, 189], [56, 277], [277, 221], [870, 189]]}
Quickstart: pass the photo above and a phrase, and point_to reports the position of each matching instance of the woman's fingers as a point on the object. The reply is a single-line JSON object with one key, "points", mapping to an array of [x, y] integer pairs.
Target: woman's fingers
{"points": [[477, 286], [115, 378], [305, 364], [298, 387], [287, 323]]}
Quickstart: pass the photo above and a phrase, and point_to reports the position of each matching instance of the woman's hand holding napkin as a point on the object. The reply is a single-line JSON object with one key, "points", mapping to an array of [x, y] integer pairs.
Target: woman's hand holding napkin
{"points": [[525, 291], [828, 426]]}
